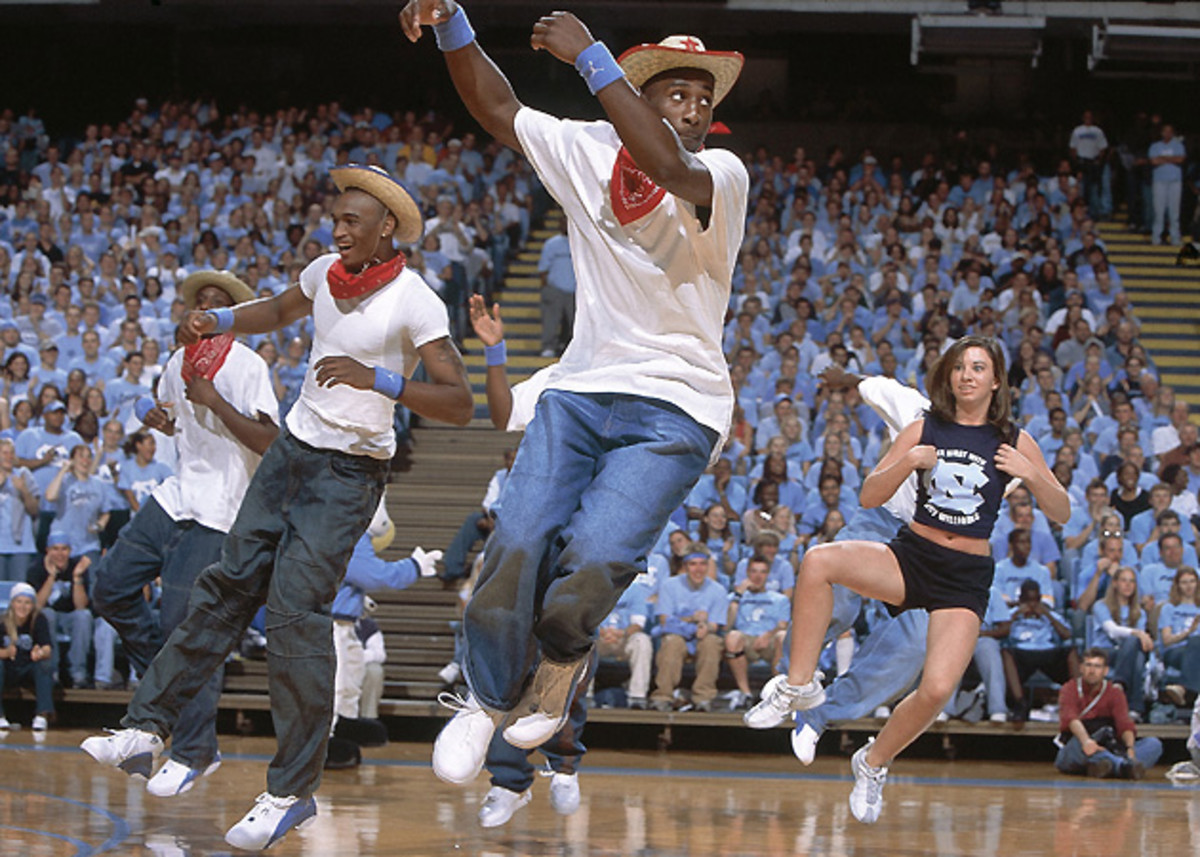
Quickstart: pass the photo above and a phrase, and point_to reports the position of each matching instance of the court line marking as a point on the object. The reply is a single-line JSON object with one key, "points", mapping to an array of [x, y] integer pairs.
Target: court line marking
{"points": [[121, 828], [1061, 782]]}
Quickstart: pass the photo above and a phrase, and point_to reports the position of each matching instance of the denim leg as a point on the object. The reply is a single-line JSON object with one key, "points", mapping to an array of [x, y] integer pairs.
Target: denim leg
{"points": [[578, 490], [43, 686], [1189, 668], [133, 562], [15, 566], [990, 664], [509, 766], [1129, 665], [327, 508], [1148, 751], [846, 606], [1159, 191], [80, 622], [1071, 758], [455, 560], [194, 742], [104, 642], [222, 603], [887, 664], [618, 521], [565, 749]]}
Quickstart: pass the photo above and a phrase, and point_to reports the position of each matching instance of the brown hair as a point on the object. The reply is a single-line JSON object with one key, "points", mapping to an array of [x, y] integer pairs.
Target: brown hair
{"points": [[1113, 602], [941, 394], [1176, 596]]}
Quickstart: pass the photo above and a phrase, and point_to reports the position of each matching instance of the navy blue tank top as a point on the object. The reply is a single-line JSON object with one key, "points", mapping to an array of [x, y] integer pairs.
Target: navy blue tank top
{"points": [[961, 494]]}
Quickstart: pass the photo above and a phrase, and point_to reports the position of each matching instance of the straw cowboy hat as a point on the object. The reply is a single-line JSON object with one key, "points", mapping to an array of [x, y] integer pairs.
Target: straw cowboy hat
{"points": [[387, 190], [642, 62], [223, 280]]}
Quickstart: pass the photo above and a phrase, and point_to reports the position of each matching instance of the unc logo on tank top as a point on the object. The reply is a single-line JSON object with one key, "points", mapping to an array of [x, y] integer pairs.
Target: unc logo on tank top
{"points": [[954, 487]]}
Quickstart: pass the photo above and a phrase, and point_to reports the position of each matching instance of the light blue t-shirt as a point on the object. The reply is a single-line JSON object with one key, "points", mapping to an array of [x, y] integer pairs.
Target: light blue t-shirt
{"points": [[760, 612], [1177, 617], [1101, 614], [1168, 172], [35, 442], [79, 506], [1034, 633]]}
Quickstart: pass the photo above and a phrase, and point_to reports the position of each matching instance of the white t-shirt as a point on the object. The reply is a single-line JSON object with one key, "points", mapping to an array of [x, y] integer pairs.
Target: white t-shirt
{"points": [[384, 328], [213, 468], [651, 296]]}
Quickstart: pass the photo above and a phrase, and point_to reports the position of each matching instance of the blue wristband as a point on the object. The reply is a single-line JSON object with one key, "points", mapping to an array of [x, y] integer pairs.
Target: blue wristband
{"points": [[224, 317], [497, 355], [390, 384], [597, 67], [454, 33], [143, 406]]}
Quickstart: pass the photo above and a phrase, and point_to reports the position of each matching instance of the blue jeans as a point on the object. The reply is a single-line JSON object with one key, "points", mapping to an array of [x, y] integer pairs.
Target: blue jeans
{"points": [[595, 479], [455, 560], [1185, 657], [990, 664], [76, 626], [1129, 668], [303, 513], [886, 665], [15, 566], [1071, 760], [155, 545], [41, 672]]}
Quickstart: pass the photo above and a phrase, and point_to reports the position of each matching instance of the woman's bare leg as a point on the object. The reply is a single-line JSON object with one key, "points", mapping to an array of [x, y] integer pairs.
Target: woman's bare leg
{"points": [[868, 568], [950, 646]]}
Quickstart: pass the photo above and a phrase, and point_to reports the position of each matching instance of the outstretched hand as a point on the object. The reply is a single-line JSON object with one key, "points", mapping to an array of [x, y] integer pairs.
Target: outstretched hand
{"points": [[488, 326], [426, 13], [332, 371], [196, 325], [426, 561], [562, 34]]}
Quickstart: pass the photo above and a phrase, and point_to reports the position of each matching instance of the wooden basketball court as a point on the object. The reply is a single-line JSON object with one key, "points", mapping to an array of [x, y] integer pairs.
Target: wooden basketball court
{"points": [[54, 800]]}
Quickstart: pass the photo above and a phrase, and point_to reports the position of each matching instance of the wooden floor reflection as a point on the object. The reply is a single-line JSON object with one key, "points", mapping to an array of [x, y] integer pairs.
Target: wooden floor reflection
{"points": [[55, 801]]}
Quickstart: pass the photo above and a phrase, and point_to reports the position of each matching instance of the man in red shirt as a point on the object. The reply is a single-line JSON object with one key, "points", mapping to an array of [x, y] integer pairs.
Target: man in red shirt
{"points": [[1087, 705]]}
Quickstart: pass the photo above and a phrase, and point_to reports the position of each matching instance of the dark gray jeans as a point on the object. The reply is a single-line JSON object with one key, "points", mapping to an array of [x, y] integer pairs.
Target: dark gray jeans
{"points": [[301, 516]]}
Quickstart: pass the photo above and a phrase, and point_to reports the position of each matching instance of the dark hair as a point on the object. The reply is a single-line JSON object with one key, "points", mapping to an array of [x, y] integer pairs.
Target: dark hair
{"points": [[129, 447], [941, 395], [1096, 652]]}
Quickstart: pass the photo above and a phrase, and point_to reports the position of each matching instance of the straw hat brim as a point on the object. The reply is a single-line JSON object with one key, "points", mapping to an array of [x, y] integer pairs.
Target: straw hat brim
{"points": [[223, 280], [409, 224], [642, 62]]}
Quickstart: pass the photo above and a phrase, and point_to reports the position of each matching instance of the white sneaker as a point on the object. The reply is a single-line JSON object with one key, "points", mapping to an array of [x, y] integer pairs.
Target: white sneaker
{"points": [[998, 717], [547, 701], [882, 713], [461, 746], [737, 699], [450, 673], [500, 804], [779, 699], [564, 793], [175, 778], [804, 743], [866, 798], [269, 820], [5, 726], [39, 724], [942, 717], [131, 750]]}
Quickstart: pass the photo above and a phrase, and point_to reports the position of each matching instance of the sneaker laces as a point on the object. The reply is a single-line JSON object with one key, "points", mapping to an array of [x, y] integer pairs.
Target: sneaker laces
{"points": [[876, 779], [273, 801], [456, 702]]}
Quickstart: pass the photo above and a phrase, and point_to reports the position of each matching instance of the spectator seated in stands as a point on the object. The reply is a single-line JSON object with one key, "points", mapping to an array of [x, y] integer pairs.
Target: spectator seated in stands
{"points": [[781, 576], [1179, 635], [1038, 639], [622, 637], [61, 583], [1017, 567], [26, 654], [1098, 737], [1119, 628], [691, 610], [758, 621]]}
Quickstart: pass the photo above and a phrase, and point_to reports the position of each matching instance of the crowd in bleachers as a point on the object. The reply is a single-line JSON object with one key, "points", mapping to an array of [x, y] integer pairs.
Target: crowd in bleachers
{"points": [[873, 265], [99, 227]]}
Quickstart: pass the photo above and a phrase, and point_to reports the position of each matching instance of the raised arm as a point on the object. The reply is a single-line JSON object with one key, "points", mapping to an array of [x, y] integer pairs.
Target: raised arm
{"points": [[484, 89], [260, 316], [652, 142], [490, 330]]}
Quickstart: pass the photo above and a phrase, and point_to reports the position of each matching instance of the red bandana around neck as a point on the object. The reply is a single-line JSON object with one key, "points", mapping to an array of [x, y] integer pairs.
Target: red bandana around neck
{"points": [[204, 358], [344, 285], [631, 191]]}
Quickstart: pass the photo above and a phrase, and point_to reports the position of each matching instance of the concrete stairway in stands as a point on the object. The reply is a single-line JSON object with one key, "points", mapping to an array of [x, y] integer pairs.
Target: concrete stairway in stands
{"points": [[1166, 298]]}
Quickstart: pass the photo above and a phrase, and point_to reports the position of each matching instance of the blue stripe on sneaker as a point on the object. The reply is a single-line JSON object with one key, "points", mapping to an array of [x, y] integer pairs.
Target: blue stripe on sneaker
{"points": [[296, 815]]}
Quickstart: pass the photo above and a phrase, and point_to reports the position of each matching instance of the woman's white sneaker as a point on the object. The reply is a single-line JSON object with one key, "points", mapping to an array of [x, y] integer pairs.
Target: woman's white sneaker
{"points": [[866, 798], [779, 699]]}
